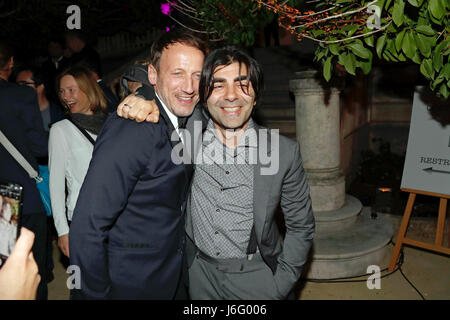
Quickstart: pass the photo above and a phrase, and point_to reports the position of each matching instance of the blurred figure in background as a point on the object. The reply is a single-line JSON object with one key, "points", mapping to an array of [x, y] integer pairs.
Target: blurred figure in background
{"points": [[135, 77], [21, 123], [51, 112], [82, 51], [55, 63], [111, 100], [71, 144]]}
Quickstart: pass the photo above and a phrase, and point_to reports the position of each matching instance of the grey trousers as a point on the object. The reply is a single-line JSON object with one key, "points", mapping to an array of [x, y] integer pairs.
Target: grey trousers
{"points": [[232, 279]]}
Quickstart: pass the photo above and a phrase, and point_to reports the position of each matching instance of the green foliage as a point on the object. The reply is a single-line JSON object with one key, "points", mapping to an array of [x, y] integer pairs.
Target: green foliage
{"points": [[419, 31], [411, 30], [232, 21]]}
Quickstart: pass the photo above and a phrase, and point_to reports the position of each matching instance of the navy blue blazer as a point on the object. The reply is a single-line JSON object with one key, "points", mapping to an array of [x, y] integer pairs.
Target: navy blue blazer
{"points": [[127, 233], [21, 122]]}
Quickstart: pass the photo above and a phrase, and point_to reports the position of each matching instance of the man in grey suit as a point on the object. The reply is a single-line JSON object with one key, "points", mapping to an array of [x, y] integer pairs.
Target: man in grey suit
{"points": [[242, 173]]}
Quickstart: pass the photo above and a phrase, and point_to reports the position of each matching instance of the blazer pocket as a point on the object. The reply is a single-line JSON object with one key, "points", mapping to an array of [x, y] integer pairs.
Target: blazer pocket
{"points": [[131, 266]]}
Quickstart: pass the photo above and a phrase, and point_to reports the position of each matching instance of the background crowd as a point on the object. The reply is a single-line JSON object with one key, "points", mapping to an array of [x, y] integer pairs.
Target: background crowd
{"points": [[121, 191], [67, 86]]}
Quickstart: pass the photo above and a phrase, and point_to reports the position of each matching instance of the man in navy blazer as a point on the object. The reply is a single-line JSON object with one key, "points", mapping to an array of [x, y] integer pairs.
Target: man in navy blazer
{"points": [[234, 247], [20, 122], [127, 234]]}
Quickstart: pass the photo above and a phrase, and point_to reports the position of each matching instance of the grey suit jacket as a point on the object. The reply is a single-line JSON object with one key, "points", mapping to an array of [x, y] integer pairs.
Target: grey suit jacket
{"points": [[282, 180]]}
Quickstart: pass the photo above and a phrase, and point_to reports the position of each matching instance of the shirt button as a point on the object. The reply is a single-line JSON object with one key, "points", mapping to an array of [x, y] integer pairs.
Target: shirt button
{"points": [[217, 253], [227, 172], [218, 210], [217, 232]]}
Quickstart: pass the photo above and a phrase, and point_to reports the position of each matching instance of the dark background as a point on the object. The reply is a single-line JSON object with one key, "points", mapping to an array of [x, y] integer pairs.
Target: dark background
{"points": [[29, 24]]}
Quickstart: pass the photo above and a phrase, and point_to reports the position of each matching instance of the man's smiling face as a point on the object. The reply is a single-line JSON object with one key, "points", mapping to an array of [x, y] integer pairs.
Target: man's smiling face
{"points": [[176, 81], [233, 98]]}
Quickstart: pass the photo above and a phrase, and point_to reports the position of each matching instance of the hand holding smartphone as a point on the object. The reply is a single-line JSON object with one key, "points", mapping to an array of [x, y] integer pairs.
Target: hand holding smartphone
{"points": [[19, 277], [10, 217]]}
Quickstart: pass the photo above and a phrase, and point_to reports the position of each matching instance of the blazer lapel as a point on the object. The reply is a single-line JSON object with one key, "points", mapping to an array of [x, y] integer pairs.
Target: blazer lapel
{"points": [[188, 168], [261, 186], [170, 127], [195, 127]]}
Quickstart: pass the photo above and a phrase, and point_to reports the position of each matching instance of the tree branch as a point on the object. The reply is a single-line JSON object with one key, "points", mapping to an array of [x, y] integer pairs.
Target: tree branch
{"points": [[346, 39], [191, 16], [335, 16], [193, 30]]}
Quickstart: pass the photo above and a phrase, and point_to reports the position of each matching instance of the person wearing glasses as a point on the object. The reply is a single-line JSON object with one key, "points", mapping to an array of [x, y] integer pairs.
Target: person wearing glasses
{"points": [[51, 112]]}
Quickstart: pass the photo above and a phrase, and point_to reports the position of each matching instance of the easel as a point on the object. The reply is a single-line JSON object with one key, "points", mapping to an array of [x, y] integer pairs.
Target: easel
{"points": [[401, 239]]}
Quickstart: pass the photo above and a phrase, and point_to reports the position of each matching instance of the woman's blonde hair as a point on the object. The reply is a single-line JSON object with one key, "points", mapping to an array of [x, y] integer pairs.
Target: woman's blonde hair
{"points": [[87, 84]]}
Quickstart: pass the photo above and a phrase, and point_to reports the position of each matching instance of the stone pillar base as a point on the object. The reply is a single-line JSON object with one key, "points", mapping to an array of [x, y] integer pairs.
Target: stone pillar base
{"points": [[336, 220], [327, 194], [347, 252]]}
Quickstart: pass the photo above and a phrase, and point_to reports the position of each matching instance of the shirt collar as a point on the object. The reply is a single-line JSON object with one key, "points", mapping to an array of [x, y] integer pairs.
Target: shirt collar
{"points": [[173, 118], [249, 139]]}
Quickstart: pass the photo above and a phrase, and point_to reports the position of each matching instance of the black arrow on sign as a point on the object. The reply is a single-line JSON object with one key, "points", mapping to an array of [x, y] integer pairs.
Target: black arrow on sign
{"points": [[430, 170]]}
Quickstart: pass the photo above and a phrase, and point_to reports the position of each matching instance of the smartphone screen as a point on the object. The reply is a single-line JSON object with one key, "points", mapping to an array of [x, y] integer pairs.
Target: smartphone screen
{"points": [[10, 217]]}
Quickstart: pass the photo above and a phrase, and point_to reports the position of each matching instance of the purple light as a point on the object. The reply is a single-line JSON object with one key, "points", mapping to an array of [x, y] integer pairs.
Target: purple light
{"points": [[165, 8]]}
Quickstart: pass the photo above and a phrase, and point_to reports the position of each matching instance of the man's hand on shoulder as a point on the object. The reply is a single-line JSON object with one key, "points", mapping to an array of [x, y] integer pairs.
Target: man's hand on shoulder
{"points": [[138, 109]]}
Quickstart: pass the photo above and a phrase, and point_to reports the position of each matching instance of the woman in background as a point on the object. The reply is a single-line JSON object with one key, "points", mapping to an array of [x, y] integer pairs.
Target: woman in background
{"points": [[70, 149]]}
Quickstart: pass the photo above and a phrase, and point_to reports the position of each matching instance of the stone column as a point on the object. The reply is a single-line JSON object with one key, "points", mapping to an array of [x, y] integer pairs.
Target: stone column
{"points": [[317, 117], [347, 239]]}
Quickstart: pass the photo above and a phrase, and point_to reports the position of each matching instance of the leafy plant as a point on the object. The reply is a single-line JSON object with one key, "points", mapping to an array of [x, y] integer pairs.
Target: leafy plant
{"points": [[233, 21], [349, 32]]}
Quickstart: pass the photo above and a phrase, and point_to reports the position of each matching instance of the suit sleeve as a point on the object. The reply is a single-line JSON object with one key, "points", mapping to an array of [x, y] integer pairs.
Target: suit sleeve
{"points": [[299, 219], [31, 116], [121, 153]]}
